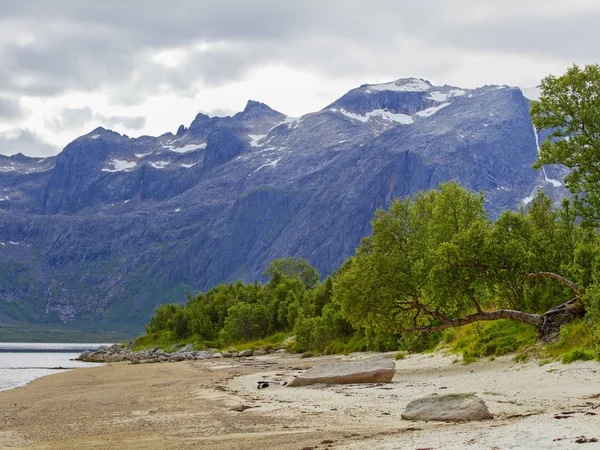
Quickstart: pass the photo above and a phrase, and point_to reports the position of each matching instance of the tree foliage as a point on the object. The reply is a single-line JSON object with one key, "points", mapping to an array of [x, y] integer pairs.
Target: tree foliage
{"points": [[569, 107], [436, 261]]}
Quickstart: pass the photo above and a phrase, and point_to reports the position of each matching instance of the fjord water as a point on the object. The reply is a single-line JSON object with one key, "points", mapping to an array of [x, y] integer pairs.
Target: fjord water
{"points": [[22, 363]]}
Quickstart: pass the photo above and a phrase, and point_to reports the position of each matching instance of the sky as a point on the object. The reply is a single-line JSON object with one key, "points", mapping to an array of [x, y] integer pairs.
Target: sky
{"points": [[146, 66]]}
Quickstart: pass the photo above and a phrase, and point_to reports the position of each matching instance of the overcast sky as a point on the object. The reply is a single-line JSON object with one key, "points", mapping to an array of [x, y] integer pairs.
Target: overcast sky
{"points": [[147, 66]]}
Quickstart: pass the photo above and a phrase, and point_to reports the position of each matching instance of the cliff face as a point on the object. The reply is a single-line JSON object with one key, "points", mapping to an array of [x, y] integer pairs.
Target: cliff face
{"points": [[113, 226]]}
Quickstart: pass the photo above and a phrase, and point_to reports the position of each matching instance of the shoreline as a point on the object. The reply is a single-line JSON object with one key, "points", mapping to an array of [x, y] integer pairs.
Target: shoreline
{"points": [[188, 405]]}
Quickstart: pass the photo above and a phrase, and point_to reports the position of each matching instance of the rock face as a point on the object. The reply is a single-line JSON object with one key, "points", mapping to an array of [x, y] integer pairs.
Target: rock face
{"points": [[447, 408], [113, 226], [374, 370]]}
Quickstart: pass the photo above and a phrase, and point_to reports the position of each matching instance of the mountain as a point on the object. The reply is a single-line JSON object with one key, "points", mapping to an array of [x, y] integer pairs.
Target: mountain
{"points": [[113, 226]]}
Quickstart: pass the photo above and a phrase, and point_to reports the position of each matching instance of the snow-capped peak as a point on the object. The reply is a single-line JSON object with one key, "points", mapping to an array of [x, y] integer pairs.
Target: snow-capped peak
{"points": [[401, 85]]}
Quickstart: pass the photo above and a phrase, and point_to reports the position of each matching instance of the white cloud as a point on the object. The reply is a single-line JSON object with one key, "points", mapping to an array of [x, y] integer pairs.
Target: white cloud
{"points": [[145, 67]]}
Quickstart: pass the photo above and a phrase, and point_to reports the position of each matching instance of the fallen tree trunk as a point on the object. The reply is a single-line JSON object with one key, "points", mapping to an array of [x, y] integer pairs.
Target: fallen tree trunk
{"points": [[548, 324]]}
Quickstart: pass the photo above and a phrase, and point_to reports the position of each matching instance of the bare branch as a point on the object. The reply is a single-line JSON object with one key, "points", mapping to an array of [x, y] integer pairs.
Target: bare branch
{"points": [[560, 278]]}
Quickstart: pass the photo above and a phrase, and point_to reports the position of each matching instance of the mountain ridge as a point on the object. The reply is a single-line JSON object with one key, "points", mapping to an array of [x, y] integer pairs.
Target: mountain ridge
{"points": [[113, 226]]}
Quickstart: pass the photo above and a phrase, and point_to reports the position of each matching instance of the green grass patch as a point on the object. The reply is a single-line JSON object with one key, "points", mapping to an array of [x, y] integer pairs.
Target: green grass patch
{"points": [[576, 354], [272, 341], [496, 338], [578, 341]]}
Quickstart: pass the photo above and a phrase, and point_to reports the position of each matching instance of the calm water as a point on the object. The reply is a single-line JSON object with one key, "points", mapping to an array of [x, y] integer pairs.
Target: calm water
{"points": [[23, 363]]}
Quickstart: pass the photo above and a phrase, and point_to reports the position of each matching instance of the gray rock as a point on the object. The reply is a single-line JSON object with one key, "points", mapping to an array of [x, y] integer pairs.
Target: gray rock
{"points": [[161, 359], [260, 352], [217, 355], [186, 348], [102, 349], [373, 370], [246, 353], [226, 354], [114, 349], [84, 355], [447, 408]]}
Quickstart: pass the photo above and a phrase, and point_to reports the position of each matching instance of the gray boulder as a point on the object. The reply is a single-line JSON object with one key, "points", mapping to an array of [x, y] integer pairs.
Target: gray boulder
{"points": [[374, 370], [447, 408], [185, 349], [114, 349], [247, 352]]}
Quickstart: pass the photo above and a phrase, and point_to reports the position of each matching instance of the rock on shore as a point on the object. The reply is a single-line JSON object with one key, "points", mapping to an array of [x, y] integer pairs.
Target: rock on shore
{"points": [[373, 370], [447, 408], [115, 353]]}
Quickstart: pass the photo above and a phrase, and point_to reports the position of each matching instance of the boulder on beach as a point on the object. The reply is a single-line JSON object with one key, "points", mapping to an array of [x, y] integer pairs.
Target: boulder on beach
{"points": [[447, 408], [373, 370]]}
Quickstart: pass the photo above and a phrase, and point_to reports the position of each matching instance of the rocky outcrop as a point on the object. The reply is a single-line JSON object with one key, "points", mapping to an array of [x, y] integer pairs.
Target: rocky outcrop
{"points": [[447, 408], [373, 370], [115, 353]]}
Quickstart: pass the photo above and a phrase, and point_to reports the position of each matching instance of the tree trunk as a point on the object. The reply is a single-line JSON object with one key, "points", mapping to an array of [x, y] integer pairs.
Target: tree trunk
{"points": [[551, 321], [548, 324]]}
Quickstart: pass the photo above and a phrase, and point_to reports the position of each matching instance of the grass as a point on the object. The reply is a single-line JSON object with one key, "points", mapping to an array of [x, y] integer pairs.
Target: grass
{"points": [[491, 339], [579, 341]]}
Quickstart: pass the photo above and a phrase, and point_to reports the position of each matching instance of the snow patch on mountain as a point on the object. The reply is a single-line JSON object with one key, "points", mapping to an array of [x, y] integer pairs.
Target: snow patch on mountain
{"points": [[553, 182], [186, 148], [527, 200], [270, 163], [159, 164], [437, 96], [456, 92], [404, 119], [255, 138], [431, 111], [402, 85], [119, 165]]}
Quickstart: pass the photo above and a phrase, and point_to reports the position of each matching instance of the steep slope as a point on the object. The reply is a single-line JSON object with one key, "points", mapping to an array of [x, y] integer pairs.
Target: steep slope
{"points": [[114, 226]]}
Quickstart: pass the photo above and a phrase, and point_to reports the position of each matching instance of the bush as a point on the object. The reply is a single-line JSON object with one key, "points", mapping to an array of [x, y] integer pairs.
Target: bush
{"points": [[576, 354], [245, 322]]}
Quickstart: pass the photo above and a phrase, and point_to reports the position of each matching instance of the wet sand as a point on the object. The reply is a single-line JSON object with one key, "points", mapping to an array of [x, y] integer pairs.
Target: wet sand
{"points": [[188, 405]]}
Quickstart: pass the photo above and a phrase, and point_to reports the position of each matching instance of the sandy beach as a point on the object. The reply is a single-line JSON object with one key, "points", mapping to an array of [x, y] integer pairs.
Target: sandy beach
{"points": [[193, 404]]}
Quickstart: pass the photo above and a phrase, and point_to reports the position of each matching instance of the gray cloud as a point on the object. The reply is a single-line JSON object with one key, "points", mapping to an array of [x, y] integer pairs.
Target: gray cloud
{"points": [[76, 120], [131, 123], [10, 110], [52, 47], [70, 119], [26, 142]]}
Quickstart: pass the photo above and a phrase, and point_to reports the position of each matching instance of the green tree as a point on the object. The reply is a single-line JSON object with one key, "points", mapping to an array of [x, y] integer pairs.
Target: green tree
{"points": [[569, 107], [294, 268], [245, 322], [435, 261]]}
